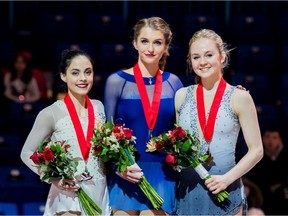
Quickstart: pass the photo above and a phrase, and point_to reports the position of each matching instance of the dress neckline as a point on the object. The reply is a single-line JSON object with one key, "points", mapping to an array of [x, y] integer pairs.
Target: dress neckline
{"points": [[147, 80]]}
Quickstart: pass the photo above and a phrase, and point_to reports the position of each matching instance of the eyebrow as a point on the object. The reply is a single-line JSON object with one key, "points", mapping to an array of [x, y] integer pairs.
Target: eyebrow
{"points": [[209, 51], [141, 38], [76, 69]]}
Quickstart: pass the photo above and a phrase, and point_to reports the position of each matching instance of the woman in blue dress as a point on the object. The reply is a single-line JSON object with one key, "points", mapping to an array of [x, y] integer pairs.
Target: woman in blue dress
{"points": [[142, 97], [215, 111]]}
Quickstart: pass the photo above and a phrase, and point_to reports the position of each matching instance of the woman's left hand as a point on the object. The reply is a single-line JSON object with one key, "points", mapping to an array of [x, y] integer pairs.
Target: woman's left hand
{"points": [[216, 183]]}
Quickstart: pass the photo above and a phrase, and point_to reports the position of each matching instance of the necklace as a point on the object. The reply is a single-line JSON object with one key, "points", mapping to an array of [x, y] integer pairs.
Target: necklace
{"points": [[150, 80]]}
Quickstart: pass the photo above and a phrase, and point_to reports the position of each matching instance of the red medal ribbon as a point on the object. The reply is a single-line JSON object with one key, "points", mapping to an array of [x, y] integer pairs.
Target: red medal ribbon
{"points": [[151, 112], [208, 129], [83, 143]]}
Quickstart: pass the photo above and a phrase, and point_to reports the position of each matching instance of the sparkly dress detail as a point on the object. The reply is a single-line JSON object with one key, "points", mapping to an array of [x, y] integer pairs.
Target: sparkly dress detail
{"points": [[193, 198]]}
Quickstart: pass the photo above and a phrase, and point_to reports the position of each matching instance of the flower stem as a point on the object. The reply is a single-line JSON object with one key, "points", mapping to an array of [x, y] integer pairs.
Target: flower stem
{"points": [[88, 204], [145, 186], [222, 195]]}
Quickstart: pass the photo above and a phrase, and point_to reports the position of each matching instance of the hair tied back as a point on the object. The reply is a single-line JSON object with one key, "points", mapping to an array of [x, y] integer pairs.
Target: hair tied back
{"points": [[64, 53]]}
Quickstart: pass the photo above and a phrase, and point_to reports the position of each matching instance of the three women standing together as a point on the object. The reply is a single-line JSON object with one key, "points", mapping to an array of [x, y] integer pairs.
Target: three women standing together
{"points": [[143, 97]]}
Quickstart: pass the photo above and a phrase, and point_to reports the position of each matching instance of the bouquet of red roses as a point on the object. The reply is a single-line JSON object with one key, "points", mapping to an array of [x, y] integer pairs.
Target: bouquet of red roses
{"points": [[183, 151], [56, 163], [115, 143]]}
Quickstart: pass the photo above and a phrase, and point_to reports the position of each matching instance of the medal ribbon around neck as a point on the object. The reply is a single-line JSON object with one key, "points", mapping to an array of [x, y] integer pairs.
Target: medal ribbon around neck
{"points": [[151, 112], [83, 143], [208, 129]]}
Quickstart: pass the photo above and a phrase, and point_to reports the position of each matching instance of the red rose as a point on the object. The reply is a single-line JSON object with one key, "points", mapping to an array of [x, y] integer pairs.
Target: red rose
{"points": [[34, 157], [48, 154], [117, 128], [119, 136], [159, 145], [97, 148], [127, 133], [171, 159], [172, 137], [118, 132], [180, 133]]}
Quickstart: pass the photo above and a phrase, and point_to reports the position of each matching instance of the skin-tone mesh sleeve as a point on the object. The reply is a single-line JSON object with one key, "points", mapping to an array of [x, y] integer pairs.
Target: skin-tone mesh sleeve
{"points": [[111, 95], [42, 128]]}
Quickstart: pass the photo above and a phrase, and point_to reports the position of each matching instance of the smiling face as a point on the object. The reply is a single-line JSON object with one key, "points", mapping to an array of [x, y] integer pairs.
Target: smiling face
{"points": [[150, 45], [79, 75], [206, 59]]}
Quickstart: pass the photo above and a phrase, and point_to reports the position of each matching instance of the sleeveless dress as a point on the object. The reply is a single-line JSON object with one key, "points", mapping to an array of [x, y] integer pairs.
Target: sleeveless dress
{"points": [[60, 200], [192, 196], [123, 105]]}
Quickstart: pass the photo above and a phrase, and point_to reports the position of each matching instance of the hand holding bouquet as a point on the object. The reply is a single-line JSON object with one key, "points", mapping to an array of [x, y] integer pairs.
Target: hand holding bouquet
{"points": [[115, 143], [55, 163], [183, 151]]}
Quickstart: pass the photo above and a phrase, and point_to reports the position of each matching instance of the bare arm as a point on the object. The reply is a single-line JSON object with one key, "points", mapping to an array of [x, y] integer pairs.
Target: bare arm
{"points": [[246, 111], [244, 107]]}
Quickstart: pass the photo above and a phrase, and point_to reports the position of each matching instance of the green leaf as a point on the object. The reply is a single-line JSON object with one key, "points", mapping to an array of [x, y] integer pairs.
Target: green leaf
{"points": [[45, 177], [58, 148], [42, 146], [164, 137], [186, 145], [104, 151], [109, 125]]}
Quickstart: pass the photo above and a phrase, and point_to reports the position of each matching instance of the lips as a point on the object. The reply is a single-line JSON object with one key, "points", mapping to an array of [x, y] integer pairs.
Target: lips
{"points": [[204, 69], [82, 85], [149, 55]]}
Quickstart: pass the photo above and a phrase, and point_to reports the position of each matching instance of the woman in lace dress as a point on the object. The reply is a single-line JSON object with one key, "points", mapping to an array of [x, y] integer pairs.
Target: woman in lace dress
{"points": [[72, 119], [128, 98], [215, 111]]}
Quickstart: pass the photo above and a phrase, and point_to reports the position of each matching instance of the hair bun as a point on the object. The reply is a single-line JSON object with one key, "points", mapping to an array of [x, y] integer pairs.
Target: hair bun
{"points": [[65, 52]]}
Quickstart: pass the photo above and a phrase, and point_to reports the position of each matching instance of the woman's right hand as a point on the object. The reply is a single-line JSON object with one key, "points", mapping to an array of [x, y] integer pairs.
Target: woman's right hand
{"points": [[132, 174]]}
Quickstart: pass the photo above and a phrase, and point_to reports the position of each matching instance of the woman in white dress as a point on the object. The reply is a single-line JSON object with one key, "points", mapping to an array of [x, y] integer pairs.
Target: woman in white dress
{"points": [[72, 119]]}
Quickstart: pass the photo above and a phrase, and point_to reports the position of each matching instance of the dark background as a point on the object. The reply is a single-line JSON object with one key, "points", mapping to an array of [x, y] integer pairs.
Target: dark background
{"points": [[255, 30]]}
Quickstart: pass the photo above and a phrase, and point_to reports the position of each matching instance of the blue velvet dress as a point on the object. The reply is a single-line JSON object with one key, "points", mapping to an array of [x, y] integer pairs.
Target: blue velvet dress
{"points": [[192, 196], [123, 105]]}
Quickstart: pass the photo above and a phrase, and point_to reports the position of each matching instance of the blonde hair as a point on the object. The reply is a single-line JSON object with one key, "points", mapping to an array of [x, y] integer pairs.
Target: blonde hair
{"points": [[212, 35], [155, 23]]}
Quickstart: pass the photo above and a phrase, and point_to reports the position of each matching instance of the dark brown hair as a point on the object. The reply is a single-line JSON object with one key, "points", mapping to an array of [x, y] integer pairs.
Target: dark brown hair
{"points": [[67, 57]]}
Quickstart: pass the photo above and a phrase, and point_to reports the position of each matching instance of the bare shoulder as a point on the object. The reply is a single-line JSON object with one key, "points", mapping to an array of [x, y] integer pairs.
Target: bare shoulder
{"points": [[241, 100], [241, 95], [180, 96], [181, 92]]}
